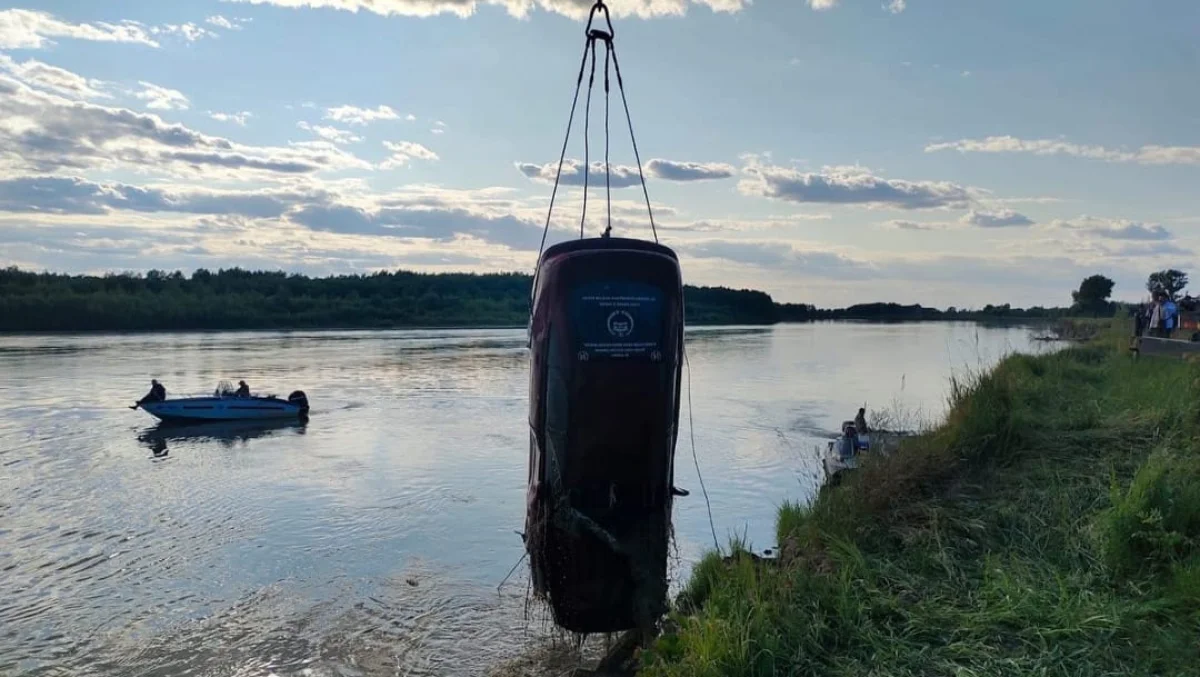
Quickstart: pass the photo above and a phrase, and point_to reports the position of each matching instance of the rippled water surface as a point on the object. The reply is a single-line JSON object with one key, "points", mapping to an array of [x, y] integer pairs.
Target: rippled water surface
{"points": [[371, 540]]}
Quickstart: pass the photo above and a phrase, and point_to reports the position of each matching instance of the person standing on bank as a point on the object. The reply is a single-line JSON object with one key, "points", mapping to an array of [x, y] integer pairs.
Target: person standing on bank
{"points": [[860, 422], [1155, 323], [1170, 316]]}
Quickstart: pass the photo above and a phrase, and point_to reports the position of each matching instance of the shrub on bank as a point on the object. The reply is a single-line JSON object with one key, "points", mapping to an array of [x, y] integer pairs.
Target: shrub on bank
{"points": [[1154, 524]]}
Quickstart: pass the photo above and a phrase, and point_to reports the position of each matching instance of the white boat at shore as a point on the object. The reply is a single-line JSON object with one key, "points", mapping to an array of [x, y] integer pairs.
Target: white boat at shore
{"points": [[229, 408]]}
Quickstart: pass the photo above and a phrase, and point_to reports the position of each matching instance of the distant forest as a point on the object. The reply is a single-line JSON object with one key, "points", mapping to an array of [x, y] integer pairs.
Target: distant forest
{"points": [[242, 299]]}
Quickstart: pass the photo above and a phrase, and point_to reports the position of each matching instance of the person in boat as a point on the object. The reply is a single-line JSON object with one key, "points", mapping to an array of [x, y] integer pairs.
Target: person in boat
{"points": [[243, 390], [157, 394], [848, 444], [860, 422]]}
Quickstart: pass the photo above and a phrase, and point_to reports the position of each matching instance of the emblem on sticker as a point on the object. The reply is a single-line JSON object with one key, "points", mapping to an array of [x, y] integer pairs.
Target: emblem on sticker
{"points": [[620, 323]]}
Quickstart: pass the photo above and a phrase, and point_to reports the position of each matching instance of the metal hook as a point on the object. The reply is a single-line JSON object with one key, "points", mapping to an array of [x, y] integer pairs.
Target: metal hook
{"points": [[607, 19]]}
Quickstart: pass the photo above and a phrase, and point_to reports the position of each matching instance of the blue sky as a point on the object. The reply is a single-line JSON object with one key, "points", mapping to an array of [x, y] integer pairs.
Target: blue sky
{"points": [[827, 151]]}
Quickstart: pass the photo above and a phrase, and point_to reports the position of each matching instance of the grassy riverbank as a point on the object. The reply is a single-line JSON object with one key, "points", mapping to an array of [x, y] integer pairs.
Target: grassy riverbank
{"points": [[1051, 526]]}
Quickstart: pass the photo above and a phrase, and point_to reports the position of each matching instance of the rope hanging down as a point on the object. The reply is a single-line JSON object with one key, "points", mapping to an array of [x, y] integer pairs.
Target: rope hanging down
{"points": [[595, 35]]}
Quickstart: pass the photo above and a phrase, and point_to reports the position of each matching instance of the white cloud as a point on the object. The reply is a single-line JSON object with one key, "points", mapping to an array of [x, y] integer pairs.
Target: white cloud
{"points": [[59, 80], [624, 176], [1042, 200], [849, 185], [188, 31], [238, 119], [65, 223], [902, 224], [575, 9], [730, 225], [74, 195], [726, 6], [820, 5], [1010, 144], [228, 24], [1146, 155], [1169, 155], [689, 171], [1113, 229], [161, 98], [1158, 249], [410, 117], [43, 132], [71, 223], [331, 134], [404, 151], [620, 176], [995, 219], [774, 254], [71, 215], [30, 29], [629, 216], [353, 115], [1099, 247], [896, 6], [443, 224], [972, 280], [183, 241]]}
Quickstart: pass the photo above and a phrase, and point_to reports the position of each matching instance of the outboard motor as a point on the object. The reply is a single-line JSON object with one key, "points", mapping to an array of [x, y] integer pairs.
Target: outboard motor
{"points": [[606, 351], [300, 399]]}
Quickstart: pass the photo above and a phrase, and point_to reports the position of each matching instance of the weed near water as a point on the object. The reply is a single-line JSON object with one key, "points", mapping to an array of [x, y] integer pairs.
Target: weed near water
{"points": [[1050, 526], [1079, 329]]}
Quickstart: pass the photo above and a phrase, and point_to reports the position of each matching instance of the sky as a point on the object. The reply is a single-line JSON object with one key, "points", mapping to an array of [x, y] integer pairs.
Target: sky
{"points": [[826, 151]]}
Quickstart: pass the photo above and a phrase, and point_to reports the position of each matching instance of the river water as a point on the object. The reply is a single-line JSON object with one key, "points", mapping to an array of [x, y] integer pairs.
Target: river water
{"points": [[371, 540]]}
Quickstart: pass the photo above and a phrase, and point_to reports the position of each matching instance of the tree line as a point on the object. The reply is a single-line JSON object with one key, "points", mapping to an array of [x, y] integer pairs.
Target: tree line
{"points": [[235, 298], [799, 312], [241, 299]]}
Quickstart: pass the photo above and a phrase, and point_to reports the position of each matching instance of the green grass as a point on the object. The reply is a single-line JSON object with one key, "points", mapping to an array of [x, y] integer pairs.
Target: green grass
{"points": [[1079, 329], [1051, 526]]}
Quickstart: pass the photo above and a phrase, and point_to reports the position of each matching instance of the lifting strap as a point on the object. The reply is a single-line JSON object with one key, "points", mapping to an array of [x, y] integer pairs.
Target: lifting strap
{"points": [[595, 35]]}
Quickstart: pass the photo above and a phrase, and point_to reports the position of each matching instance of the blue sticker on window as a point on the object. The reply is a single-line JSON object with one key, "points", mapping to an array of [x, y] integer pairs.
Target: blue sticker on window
{"points": [[617, 320]]}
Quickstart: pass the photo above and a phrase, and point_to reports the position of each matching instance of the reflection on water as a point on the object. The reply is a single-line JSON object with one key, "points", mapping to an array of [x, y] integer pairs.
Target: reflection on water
{"points": [[372, 539], [226, 433]]}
